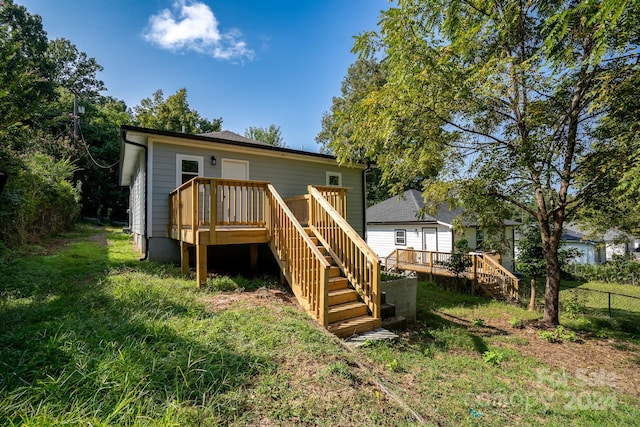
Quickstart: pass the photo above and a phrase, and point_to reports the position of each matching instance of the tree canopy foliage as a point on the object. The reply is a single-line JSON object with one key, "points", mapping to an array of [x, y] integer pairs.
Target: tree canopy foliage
{"points": [[494, 103], [173, 114], [53, 174], [271, 135]]}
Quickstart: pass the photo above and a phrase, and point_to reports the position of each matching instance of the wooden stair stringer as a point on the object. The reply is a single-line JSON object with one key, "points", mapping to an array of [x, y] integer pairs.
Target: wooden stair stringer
{"points": [[348, 315]]}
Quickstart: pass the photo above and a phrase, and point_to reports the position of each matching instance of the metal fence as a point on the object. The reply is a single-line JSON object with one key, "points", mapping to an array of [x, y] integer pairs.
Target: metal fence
{"points": [[593, 305], [616, 310]]}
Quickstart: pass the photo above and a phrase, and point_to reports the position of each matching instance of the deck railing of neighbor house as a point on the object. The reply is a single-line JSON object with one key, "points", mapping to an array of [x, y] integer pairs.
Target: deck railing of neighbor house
{"points": [[305, 267], [359, 263], [482, 268], [490, 271]]}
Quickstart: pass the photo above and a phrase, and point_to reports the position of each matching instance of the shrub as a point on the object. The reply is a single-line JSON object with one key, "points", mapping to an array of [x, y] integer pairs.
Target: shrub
{"points": [[493, 357], [620, 269], [516, 323], [39, 200]]}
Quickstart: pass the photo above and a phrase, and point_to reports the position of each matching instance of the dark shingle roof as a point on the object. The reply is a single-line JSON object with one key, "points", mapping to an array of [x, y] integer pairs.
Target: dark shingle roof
{"points": [[406, 208], [232, 136]]}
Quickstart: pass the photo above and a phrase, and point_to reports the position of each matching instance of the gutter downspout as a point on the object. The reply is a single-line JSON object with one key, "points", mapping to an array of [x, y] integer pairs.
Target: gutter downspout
{"points": [[146, 191]]}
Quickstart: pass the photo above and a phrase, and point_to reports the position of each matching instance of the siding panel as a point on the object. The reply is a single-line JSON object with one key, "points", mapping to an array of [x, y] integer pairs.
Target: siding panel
{"points": [[289, 176]]}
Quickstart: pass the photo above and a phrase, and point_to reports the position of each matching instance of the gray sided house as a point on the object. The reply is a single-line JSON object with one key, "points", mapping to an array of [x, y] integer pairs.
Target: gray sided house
{"points": [[395, 223], [153, 163]]}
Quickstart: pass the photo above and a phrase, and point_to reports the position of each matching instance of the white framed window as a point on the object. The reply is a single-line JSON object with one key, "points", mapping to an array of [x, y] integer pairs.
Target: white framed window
{"points": [[188, 167], [334, 179], [479, 238], [400, 237]]}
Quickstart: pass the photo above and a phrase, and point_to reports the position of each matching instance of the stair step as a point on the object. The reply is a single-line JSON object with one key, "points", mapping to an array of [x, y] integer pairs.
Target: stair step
{"points": [[334, 271], [348, 310], [340, 296], [346, 328], [398, 323], [387, 310], [338, 282], [308, 231]]}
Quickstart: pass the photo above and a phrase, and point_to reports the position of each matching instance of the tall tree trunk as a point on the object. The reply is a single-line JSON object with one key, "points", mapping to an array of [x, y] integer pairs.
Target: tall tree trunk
{"points": [[532, 300], [552, 290]]}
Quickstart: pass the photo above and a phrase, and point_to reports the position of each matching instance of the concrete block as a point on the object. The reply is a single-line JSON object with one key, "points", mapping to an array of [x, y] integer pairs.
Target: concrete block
{"points": [[402, 292]]}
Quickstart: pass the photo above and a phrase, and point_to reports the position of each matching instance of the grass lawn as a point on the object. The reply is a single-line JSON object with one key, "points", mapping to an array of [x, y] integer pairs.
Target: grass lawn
{"points": [[92, 336]]}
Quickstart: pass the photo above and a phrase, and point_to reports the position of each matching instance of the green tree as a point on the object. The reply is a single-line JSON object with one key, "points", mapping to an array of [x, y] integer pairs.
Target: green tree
{"points": [[614, 199], [531, 259], [271, 135], [74, 70], [506, 94], [459, 260], [172, 114], [100, 145], [25, 74], [363, 76]]}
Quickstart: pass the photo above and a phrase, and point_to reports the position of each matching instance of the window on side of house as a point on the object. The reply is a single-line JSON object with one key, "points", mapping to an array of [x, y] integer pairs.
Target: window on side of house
{"points": [[479, 238], [334, 179], [188, 167], [400, 237]]}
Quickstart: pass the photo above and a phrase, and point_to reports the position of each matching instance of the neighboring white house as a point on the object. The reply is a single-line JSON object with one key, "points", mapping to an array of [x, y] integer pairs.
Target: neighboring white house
{"points": [[591, 250], [396, 223], [620, 243]]}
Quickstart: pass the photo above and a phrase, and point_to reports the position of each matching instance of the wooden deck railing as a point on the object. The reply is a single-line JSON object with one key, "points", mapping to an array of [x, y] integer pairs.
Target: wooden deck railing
{"points": [[359, 263], [336, 196], [299, 206], [482, 268], [236, 203], [305, 267], [490, 271], [428, 261]]}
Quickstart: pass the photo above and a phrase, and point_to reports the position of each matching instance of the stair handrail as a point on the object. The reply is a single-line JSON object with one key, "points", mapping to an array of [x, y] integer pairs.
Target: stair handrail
{"points": [[301, 262], [509, 283], [359, 263]]}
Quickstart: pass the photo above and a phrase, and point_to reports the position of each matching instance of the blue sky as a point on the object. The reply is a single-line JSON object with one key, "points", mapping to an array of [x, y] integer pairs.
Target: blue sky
{"points": [[253, 63]]}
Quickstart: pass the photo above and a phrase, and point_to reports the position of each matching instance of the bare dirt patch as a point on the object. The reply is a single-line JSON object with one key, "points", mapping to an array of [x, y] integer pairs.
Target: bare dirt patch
{"points": [[261, 297], [617, 361]]}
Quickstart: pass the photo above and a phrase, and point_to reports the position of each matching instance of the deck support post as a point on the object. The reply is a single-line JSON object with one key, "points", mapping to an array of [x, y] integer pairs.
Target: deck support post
{"points": [[184, 256], [201, 265], [253, 258], [474, 278]]}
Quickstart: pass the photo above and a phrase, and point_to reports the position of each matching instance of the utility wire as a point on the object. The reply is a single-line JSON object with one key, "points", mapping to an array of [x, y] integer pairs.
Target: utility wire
{"points": [[86, 146]]}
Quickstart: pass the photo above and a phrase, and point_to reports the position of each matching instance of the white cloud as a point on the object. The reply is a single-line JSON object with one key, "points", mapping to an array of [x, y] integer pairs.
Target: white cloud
{"points": [[191, 25]]}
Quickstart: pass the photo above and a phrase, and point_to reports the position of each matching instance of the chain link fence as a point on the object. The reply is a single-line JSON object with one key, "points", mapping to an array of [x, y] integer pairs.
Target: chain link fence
{"points": [[619, 310]]}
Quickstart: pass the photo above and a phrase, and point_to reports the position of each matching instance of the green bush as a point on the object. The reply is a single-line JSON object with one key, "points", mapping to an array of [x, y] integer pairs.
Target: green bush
{"points": [[620, 270], [39, 200], [493, 357]]}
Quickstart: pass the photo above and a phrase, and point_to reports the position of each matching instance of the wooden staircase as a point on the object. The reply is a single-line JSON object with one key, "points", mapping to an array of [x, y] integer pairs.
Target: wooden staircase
{"points": [[348, 315]]}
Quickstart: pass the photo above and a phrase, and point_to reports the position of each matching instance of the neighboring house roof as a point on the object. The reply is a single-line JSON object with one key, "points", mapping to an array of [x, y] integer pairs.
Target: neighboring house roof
{"points": [[573, 233], [614, 235], [232, 136], [406, 208]]}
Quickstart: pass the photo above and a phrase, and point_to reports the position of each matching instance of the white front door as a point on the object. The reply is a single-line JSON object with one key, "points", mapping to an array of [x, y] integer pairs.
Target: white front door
{"points": [[430, 239], [233, 208], [235, 169]]}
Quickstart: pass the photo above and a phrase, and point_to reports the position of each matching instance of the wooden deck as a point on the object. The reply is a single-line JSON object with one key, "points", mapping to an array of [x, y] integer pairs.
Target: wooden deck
{"points": [[331, 270], [484, 271]]}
